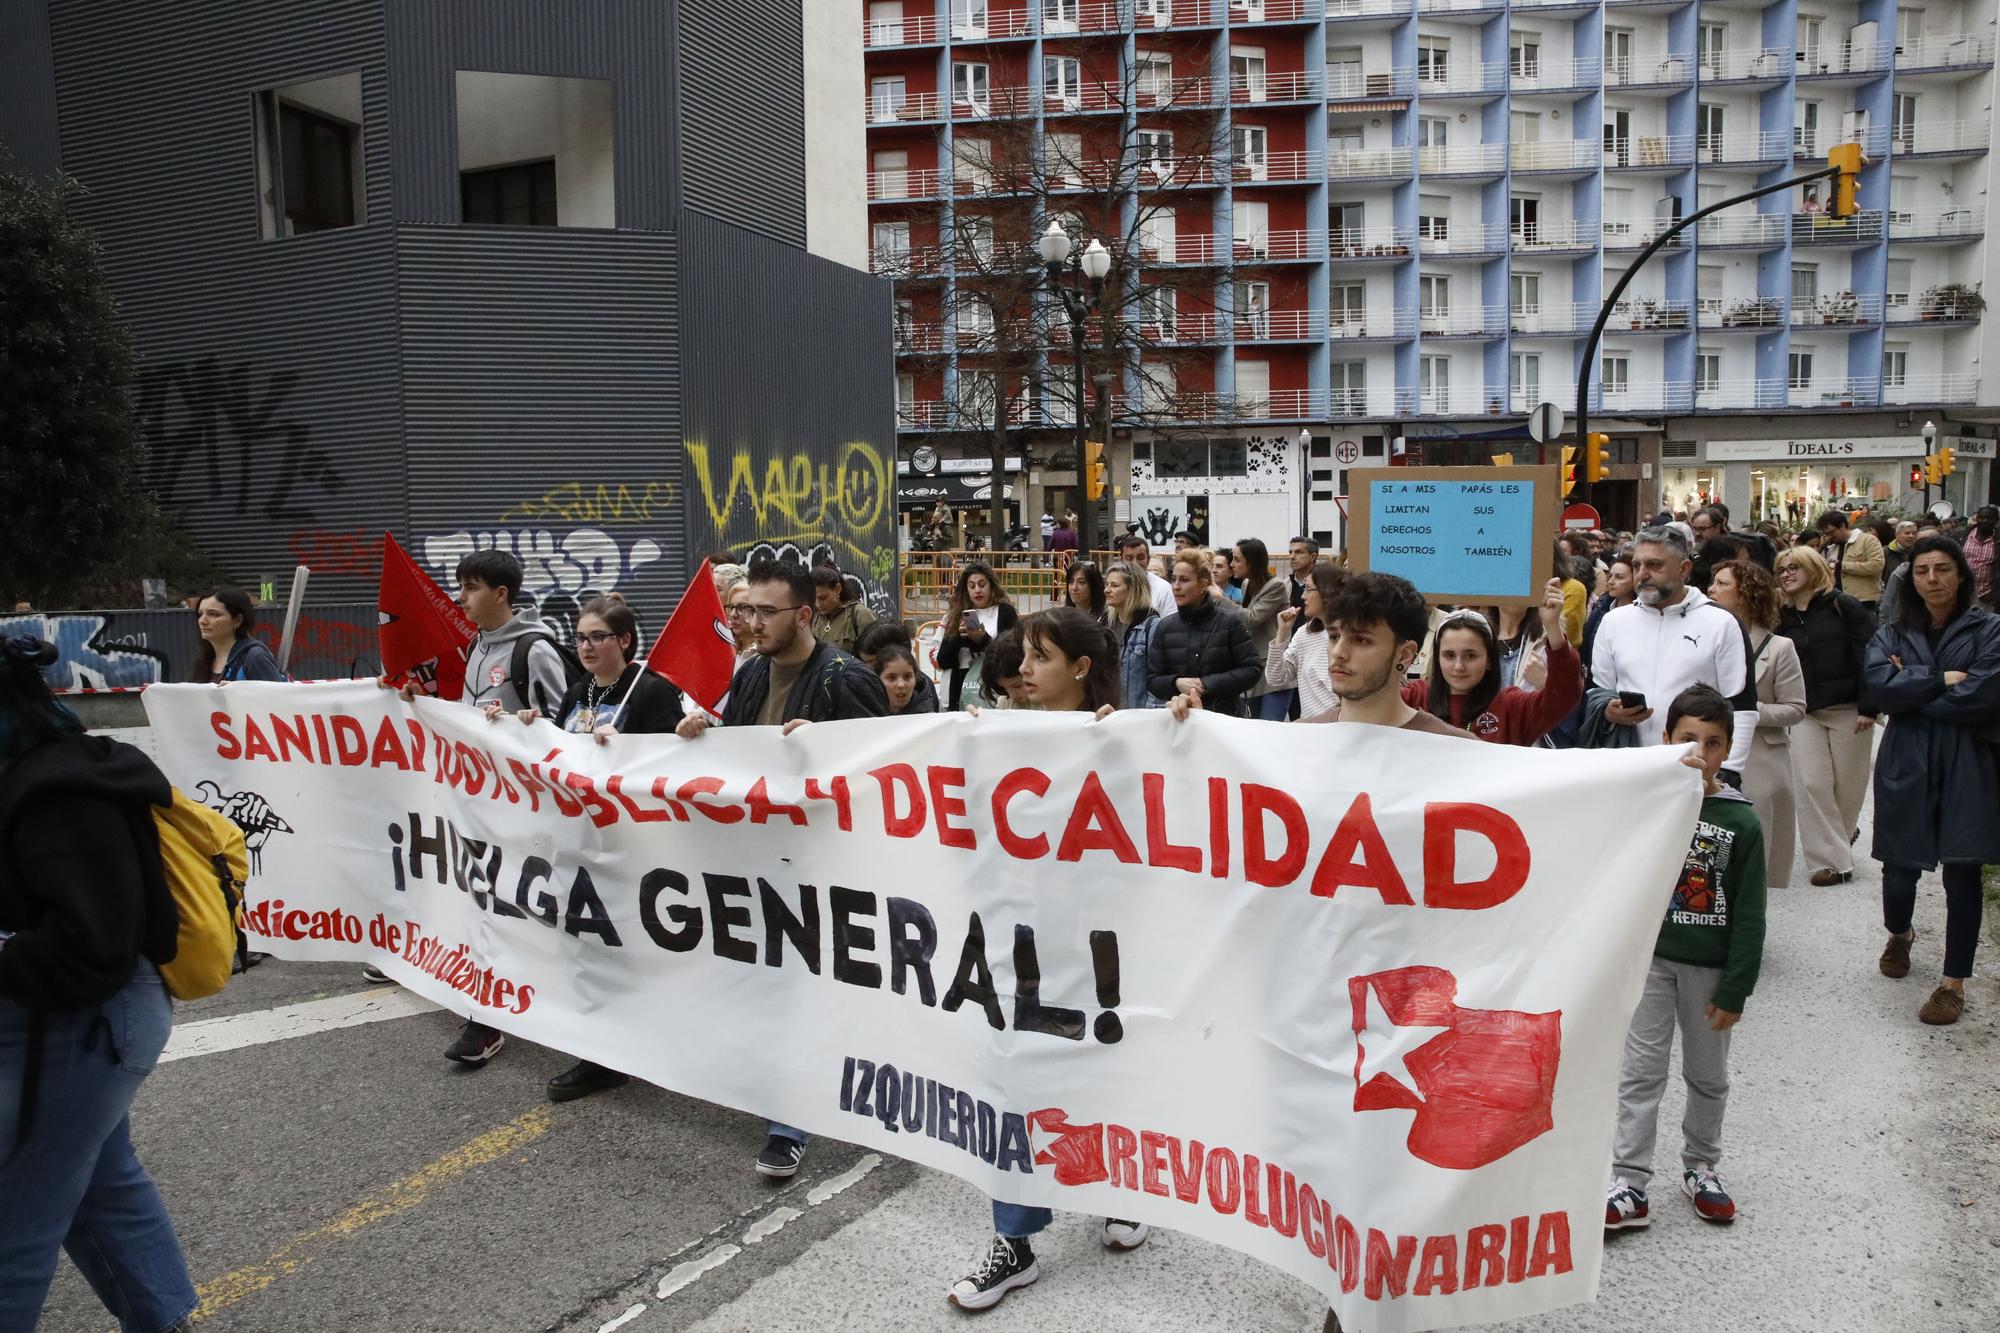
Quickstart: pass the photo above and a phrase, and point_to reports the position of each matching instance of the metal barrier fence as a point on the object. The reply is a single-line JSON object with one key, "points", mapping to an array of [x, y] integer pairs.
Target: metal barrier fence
{"points": [[1031, 579]]}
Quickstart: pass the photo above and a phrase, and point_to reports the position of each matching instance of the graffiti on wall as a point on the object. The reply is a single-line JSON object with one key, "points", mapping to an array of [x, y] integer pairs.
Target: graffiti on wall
{"points": [[227, 434], [799, 509], [129, 649], [561, 570], [598, 504]]}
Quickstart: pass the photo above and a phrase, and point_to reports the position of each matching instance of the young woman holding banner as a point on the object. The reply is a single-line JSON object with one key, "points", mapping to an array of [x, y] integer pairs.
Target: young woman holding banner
{"points": [[1070, 665], [616, 695]]}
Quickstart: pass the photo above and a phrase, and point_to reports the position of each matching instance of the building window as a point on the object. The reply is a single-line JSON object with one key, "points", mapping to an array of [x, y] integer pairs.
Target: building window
{"points": [[1433, 59], [1177, 460], [971, 86], [1246, 72], [1895, 366], [1249, 146], [310, 182], [1434, 381], [1524, 55], [1805, 286], [1801, 370], [1707, 370], [1253, 388], [891, 245], [1347, 304], [1616, 374], [1062, 81], [523, 195], [1155, 77], [1524, 377], [1433, 296], [535, 150], [1526, 293], [1433, 218], [1350, 388], [1526, 216]]}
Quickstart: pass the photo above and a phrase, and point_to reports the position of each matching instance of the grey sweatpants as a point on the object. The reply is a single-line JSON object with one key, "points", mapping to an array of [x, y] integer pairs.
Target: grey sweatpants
{"points": [[1675, 993]]}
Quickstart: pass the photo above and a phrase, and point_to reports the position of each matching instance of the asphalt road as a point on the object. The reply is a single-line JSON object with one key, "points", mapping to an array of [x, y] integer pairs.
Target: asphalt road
{"points": [[353, 1180]]}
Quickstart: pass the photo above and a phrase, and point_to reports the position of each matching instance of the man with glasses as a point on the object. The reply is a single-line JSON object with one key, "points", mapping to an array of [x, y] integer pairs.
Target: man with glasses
{"points": [[794, 679]]}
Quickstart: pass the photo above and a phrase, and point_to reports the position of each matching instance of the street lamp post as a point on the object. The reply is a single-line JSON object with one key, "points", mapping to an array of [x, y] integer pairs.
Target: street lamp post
{"points": [[1094, 263], [1930, 439], [1305, 480]]}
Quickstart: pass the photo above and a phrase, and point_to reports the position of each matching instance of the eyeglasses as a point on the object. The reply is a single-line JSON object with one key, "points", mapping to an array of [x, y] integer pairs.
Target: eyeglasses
{"points": [[767, 612], [736, 612], [592, 638]]}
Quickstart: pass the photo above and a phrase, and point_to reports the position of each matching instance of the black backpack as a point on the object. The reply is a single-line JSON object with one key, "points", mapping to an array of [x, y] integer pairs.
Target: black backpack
{"points": [[517, 669]]}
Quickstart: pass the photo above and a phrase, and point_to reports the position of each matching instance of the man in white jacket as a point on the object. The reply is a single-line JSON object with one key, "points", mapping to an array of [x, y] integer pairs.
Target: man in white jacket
{"points": [[1672, 637]]}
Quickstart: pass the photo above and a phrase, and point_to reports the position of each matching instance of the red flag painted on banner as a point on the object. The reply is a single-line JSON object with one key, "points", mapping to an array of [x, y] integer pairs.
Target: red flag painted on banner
{"points": [[696, 650], [423, 633]]}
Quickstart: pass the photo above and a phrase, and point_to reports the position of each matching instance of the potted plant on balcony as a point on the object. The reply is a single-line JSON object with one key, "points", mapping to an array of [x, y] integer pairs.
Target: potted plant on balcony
{"points": [[1953, 300], [1839, 308], [1757, 312]]}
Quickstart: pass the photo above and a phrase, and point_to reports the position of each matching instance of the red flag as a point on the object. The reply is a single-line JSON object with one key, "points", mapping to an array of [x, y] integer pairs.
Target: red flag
{"points": [[696, 651], [423, 634]]}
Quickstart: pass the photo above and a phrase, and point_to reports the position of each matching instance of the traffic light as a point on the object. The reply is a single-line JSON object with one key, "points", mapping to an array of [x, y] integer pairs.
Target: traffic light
{"points": [[1947, 461], [1933, 470], [1503, 460], [1094, 469], [1597, 456], [1569, 468], [1845, 158], [1916, 476]]}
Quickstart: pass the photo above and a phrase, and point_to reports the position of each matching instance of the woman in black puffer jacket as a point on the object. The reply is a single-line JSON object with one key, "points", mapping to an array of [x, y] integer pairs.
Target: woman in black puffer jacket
{"points": [[1205, 646], [85, 916]]}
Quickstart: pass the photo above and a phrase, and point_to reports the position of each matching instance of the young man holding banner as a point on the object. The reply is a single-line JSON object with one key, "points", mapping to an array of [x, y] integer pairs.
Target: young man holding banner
{"points": [[794, 679]]}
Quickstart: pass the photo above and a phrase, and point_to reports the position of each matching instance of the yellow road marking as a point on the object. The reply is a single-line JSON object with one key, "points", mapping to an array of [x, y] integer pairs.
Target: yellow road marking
{"points": [[398, 1197]]}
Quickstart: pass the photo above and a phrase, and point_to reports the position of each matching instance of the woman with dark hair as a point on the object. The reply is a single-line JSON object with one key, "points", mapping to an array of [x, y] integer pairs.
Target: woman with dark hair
{"points": [[224, 618], [897, 666], [85, 918], [1523, 645], [1132, 619], [1619, 590], [1935, 674], [1464, 685], [616, 695], [1750, 592], [1264, 596], [1296, 658], [1070, 664], [978, 613], [1085, 589]]}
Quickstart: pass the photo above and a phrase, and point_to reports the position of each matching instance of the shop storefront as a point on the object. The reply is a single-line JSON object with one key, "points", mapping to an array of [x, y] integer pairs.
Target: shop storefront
{"points": [[1792, 482]]}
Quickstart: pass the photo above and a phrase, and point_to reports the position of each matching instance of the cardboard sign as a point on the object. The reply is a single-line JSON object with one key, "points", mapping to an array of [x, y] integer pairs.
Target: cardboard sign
{"points": [[1474, 536]]}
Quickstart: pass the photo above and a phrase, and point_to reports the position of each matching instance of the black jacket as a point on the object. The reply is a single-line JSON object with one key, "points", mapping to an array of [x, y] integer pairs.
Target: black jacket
{"points": [[1937, 773], [1832, 636], [655, 706], [948, 648], [831, 686], [925, 700], [1211, 642], [81, 887]]}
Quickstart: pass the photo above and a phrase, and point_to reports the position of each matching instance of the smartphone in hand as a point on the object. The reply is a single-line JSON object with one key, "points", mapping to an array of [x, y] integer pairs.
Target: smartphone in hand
{"points": [[1632, 699]]}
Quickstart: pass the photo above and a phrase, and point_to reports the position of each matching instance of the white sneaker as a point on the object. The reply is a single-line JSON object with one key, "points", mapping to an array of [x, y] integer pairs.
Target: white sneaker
{"points": [[1122, 1235]]}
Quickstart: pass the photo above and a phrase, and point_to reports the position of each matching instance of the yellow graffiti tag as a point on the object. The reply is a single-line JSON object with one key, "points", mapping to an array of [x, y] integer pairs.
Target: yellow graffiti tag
{"points": [[852, 494], [573, 502]]}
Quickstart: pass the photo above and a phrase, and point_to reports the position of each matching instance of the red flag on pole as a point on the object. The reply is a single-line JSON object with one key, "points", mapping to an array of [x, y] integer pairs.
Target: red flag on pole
{"points": [[696, 651], [423, 633]]}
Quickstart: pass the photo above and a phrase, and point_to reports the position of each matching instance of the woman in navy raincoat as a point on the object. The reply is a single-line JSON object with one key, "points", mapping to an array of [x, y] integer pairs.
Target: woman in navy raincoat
{"points": [[1934, 674]]}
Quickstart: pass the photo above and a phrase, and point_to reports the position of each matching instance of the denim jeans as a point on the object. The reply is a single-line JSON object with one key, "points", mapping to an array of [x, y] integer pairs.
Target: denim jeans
{"points": [[75, 1184], [798, 1136], [1015, 1220], [1275, 706]]}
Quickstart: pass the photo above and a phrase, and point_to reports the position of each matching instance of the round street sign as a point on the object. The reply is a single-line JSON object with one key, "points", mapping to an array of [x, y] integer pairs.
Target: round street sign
{"points": [[1347, 451], [1545, 423], [1582, 516]]}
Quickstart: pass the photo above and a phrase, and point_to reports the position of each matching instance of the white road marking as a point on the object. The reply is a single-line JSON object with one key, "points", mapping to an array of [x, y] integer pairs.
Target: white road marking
{"points": [[826, 1189], [683, 1275], [770, 1224], [630, 1314], [210, 1035]]}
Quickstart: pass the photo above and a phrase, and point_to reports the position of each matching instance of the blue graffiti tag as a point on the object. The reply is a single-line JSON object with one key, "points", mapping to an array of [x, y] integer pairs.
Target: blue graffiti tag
{"points": [[83, 662]]}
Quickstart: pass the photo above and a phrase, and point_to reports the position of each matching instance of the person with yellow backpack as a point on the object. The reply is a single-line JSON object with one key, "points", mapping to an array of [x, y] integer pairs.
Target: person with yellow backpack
{"points": [[95, 849]]}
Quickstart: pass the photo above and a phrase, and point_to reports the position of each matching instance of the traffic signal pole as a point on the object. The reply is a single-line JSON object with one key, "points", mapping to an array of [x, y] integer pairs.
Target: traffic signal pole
{"points": [[1625, 280]]}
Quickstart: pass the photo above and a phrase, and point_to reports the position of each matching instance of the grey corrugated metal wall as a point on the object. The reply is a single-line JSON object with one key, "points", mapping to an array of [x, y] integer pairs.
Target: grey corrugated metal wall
{"points": [[542, 407], [742, 111], [629, 42], [790, 410], [28, 124], [267, 379]]}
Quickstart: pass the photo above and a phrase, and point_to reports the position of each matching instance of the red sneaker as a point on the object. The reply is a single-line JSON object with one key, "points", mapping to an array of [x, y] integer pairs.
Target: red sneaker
{"points": [[1625, 1206], [1704, 1190]]}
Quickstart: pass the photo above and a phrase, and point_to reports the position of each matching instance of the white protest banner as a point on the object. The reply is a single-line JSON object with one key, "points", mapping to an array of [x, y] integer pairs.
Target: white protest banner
{"points": [[1348, 999]]}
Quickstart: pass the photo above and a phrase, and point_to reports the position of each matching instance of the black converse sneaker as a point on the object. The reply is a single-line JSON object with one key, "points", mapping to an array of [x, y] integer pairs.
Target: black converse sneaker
{"points": [[1009, 1262], [781, 1157]]}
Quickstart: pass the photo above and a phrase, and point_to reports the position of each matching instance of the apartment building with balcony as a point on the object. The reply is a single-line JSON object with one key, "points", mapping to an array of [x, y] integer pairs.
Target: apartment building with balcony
{"points": [[1405, 215]]}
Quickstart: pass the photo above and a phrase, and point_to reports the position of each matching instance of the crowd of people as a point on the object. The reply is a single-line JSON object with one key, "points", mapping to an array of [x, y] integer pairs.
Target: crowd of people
{"points": [[1772, 661]]}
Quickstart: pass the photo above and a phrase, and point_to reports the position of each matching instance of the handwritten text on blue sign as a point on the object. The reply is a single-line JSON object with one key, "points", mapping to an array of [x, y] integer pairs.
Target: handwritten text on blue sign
{"points": [[1459, 539]]}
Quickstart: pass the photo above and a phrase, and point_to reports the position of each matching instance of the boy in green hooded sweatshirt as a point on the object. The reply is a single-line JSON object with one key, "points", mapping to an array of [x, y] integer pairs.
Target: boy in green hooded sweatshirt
{"points": [[1704, 968]]}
